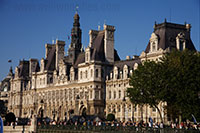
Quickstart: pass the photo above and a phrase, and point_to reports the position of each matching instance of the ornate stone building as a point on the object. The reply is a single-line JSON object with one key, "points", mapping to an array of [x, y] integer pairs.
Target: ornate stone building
{"points": [[91, 81], [61, 86], [165, 37]]}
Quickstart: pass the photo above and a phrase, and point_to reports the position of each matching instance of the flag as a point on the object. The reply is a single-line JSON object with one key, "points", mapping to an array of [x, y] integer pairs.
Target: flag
{"points": [[1, 125], [9, 61], [194, 119]]}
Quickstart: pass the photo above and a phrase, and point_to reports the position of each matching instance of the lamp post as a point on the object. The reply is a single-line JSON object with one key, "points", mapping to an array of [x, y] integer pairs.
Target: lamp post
{"points": [[77, 105], [54, 112], [141, 108], [124, 101]]}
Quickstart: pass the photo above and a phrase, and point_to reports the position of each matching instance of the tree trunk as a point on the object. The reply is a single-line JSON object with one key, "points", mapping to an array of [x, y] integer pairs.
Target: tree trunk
{"points": [[141, 108], [159, 113]]}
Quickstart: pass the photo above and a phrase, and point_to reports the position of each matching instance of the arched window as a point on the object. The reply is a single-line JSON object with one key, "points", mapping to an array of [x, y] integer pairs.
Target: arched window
{"points": [[109, 108], [91, 72], [114, 94], [135, 66], [119, 93], [43, 80], [109, 94], [81, 75], [97, 73], [90, 94], [119, 108], [86, 74], [154, 42], [86, 56], [180, 41]]}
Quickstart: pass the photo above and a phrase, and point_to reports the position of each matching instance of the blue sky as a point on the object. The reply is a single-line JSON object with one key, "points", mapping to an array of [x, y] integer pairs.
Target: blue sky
{"points": [[26, 25]]}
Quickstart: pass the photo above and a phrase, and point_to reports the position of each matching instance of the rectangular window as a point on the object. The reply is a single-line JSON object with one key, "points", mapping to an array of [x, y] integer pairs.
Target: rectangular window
{"points": [[97, 73], [119, 93], [96, 94], [109, 94], [90, 94]]}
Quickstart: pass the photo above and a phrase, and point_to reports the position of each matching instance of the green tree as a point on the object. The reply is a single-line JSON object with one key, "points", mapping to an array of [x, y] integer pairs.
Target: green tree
{"points": [[145, 85], [110, 117], [181, 83]]}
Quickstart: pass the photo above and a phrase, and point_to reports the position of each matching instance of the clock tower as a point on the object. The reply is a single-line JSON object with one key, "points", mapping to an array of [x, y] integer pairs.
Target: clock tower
{"points": [[76, 45]]}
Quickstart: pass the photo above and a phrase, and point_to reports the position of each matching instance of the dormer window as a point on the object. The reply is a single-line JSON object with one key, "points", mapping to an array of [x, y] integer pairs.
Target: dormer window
{"points": [[180, 41], [153, 42], [153, 46], [87, 55]]}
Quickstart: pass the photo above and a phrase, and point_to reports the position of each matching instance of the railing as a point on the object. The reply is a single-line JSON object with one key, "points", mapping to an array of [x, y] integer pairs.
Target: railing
{"points": [[108, 129]]}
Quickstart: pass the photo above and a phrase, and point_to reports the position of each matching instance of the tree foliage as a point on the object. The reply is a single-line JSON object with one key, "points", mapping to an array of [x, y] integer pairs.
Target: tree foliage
{"points": [[145, 83], [181, 86], [110, 117], [174, 80]]}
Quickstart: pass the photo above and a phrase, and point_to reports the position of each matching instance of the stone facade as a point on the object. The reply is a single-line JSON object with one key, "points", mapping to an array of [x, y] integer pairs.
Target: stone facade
{"points": [[91, 81], [117, 101]]}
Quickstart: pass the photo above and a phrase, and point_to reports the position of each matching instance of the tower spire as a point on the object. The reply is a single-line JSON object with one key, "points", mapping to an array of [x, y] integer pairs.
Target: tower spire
{"points": [[75, 46]]}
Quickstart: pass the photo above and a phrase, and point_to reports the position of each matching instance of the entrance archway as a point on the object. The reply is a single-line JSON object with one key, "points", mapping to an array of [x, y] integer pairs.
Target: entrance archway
{"points": [[83, 111], [40, 114], [59, 114], [71, 112]]}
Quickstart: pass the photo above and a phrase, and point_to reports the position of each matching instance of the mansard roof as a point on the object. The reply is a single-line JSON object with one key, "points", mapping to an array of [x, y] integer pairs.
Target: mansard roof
{"points": [[80, 59], [97, 47], [50, 60], [167, 33], [23, 68], [130, 63]]}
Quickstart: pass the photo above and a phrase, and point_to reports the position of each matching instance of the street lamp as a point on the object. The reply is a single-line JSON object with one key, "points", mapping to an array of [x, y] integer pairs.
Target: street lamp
{"points": [[141, 107], [124, 100], [54, 112], [77, 105]]}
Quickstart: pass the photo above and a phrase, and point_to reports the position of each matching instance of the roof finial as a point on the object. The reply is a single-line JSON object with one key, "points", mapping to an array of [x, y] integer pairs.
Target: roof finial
{"points": [[53, 41], [76, 9], [104, 22], [165, 20], [99, 27]]}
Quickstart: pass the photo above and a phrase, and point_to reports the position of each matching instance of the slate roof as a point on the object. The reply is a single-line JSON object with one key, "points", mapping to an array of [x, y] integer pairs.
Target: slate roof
{"points": [[97, 47], [80, 59], [167, 33], [130, 63], [23, 69], [50, 60], [37, 67]]}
